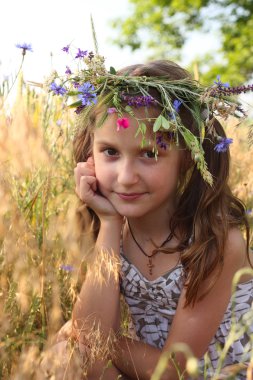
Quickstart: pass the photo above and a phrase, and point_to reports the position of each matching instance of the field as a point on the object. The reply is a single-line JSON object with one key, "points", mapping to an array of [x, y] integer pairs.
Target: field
{"points": [[40, 263]]}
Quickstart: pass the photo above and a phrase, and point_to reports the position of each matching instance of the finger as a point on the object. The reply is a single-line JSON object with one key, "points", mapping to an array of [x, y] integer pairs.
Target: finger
{"points": [[91, 160], [83, 169], [87, 188]]}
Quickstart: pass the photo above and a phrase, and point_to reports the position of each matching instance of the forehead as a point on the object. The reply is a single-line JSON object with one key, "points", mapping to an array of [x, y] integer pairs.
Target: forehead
{"points": [[109, 129], [109, 133]]}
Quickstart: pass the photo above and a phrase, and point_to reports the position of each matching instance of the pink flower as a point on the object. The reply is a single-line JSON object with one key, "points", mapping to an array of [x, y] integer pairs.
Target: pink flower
{"points": [[111, 110], [122, 123]]}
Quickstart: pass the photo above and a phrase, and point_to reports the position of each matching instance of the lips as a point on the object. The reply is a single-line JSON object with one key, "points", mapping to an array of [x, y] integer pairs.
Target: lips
{"points": [[130, 196]]}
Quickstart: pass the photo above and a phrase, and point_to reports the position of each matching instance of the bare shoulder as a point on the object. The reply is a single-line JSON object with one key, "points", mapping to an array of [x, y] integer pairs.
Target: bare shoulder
{"points": [[235, 255]]}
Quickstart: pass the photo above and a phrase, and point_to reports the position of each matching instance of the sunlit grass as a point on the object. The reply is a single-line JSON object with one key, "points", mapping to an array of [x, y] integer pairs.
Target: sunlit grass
{"points": [[40, 262]]}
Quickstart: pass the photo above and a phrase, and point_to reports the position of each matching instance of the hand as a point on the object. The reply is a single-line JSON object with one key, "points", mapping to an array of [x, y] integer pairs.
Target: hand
{"points": [[88, 192]]}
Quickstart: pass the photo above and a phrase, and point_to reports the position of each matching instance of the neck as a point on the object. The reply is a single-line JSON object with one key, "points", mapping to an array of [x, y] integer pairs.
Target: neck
{"points": [[151, 228], [156, 246], [148, 238]]}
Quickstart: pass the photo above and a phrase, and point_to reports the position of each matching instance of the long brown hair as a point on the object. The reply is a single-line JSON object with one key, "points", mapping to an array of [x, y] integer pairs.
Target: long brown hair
{"points": [[204, 214]]}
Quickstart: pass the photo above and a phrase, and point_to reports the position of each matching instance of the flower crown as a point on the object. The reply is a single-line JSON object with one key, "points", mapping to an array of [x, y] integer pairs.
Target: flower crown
{"points": [[92, 85]]}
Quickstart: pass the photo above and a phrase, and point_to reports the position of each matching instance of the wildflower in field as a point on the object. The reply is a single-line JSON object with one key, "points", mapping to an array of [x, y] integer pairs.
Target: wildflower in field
{"points": [[87, 94], [58, 90], [122, 123], [66, 49], [25, 47], [223, 144], [68, 71], [81, 53], [219, 83], [67, 268]]}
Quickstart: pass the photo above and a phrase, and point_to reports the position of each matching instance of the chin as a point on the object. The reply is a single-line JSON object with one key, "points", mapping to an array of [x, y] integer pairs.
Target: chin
{"points": [[131, 212]]}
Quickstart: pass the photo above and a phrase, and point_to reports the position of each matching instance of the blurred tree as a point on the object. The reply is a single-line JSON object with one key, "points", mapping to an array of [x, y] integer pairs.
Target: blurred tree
{"points": [[162, 26]]}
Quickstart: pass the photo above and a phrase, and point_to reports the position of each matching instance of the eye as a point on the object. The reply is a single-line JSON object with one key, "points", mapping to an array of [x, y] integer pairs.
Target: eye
{"points": [[110, 152], [149, 154]]}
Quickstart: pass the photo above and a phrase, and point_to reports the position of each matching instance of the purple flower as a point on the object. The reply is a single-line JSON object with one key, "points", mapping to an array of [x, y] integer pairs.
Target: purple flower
{"points": [[176, 105], [79, 109], [138, 101], [81, 53], [66, 49], [87, 94], [58, 90], [160, 142], [219, 83], [223, 144], [25, 47], [67, 268], [68, 71], [111, 110]]}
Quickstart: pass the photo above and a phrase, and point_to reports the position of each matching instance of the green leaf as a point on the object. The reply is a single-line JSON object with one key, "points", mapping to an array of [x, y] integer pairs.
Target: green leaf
{"points": [[76, 104], [158, 123], [165, 123], [73, 93], [112, 70], [143, 128], [129, 110]]}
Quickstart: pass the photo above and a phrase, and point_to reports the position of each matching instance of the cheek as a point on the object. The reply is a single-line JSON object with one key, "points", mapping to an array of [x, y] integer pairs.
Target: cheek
{"points": [[167, 177], [103, 174]]}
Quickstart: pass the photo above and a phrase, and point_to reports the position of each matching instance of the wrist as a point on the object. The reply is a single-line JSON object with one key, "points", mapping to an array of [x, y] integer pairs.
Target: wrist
{"points": [[109, 235], [112, 222]]}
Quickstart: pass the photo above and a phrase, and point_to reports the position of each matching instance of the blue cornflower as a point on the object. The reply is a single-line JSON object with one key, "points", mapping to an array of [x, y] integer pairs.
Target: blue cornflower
{"points": [[86, 96], [66, 49], [219, 83], [223, 144], [68, 71], [67, 268], [58, 90], [81, 53], [25, 47], [176, 104]]}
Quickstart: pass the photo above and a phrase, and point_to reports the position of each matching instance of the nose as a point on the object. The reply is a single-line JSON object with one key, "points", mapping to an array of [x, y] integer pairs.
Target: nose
{"points": [[127, 173]]}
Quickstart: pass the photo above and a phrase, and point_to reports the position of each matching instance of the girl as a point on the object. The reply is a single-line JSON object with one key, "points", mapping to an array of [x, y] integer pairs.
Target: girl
{"points": [[152, 175]]}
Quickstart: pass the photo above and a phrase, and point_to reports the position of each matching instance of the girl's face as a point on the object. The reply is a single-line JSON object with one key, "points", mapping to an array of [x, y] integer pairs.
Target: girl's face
{"points": [[130, 177]]}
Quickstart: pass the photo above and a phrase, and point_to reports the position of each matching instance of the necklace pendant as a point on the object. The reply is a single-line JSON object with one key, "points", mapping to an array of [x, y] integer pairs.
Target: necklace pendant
{"points": [[150, 265]]}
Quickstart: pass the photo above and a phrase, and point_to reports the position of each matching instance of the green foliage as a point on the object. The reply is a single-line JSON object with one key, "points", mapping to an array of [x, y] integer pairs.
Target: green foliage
{"points": [[163, 27]]}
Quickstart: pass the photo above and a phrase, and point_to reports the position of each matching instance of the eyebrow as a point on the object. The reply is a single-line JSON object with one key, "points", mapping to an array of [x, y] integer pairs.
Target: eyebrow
{"points": [[138, 148]]}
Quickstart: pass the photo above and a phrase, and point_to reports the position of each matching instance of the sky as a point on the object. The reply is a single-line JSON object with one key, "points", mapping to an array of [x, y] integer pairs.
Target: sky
{"points": [[49, 25]]}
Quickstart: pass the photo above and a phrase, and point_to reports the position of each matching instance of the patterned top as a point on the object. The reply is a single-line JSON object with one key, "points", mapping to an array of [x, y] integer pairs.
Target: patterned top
{"points": [[152, 305]]}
